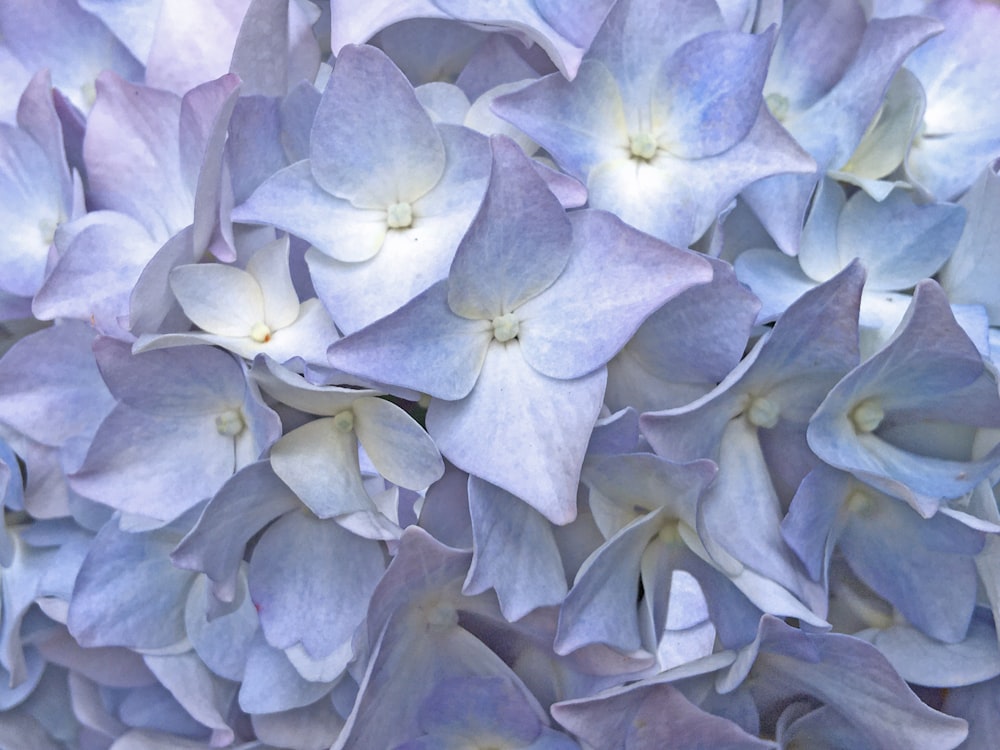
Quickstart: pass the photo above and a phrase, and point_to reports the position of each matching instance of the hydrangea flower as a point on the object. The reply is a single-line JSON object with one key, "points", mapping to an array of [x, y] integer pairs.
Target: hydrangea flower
{"points": [[664, 122], [384, 197], [357, 389], [248, 311], [496, 338]]}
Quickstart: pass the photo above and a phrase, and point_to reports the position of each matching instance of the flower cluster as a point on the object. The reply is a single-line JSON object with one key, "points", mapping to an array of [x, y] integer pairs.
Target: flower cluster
{"points": [[539, 374]]}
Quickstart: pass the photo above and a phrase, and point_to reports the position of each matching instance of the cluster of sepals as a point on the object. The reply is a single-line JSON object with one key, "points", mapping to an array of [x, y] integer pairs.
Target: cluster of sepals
{"points": [[531, 374]]}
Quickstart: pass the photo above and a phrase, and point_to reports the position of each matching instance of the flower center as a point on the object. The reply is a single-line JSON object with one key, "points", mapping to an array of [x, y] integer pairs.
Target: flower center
{"points": [[763, 413], [399, 216], [643, 146], [439, 614], [778, 105], [344, 421], [88, 92], [670, 533], [47, 229], [867, 415], [260, 333], [505, 327], [230, 423], [860, 503]]}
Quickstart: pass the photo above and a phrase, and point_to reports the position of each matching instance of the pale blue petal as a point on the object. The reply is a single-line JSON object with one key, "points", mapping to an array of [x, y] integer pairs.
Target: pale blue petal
{"points": [[128, 593], [742, 513], [776, 279], [695, 190], [930, 372], [311, 581], [897, 553], [581, 124], [398, 447], [221, 642], [532, 431], [708, 92], [203, 695], [292, 200], [271, 684], [372, 142], [810, 525], [821, 253], [650, 716], [968, 274], [637, 35], [514, 552], [410, 259], [899, 241], [780, 202], [601, 607], [922, 660], [945, 166]]}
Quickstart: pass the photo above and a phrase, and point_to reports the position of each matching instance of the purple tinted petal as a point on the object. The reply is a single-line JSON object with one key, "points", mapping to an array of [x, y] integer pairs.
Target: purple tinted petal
{"points": [[246, 503], [816, 43], [48, 373], [517, 245], [710, 92], [564, 118], [423, 346], [514, 552], [137, 127], [650, 716], [636, 35], [614, 279], [858, 682]]}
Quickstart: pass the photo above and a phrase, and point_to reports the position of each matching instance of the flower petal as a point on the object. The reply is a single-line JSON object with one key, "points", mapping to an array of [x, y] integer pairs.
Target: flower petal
{"points": [[372, 142]]}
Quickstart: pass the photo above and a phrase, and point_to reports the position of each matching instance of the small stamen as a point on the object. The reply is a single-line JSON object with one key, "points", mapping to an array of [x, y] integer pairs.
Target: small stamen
{"points": [[867, 415], [439, 614], [47, 229], [344, 421], [778, 105], [505, 327], [260, 333], [230, 423], [399, 216], [763, 413], [643, 146], [88, 92]]}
